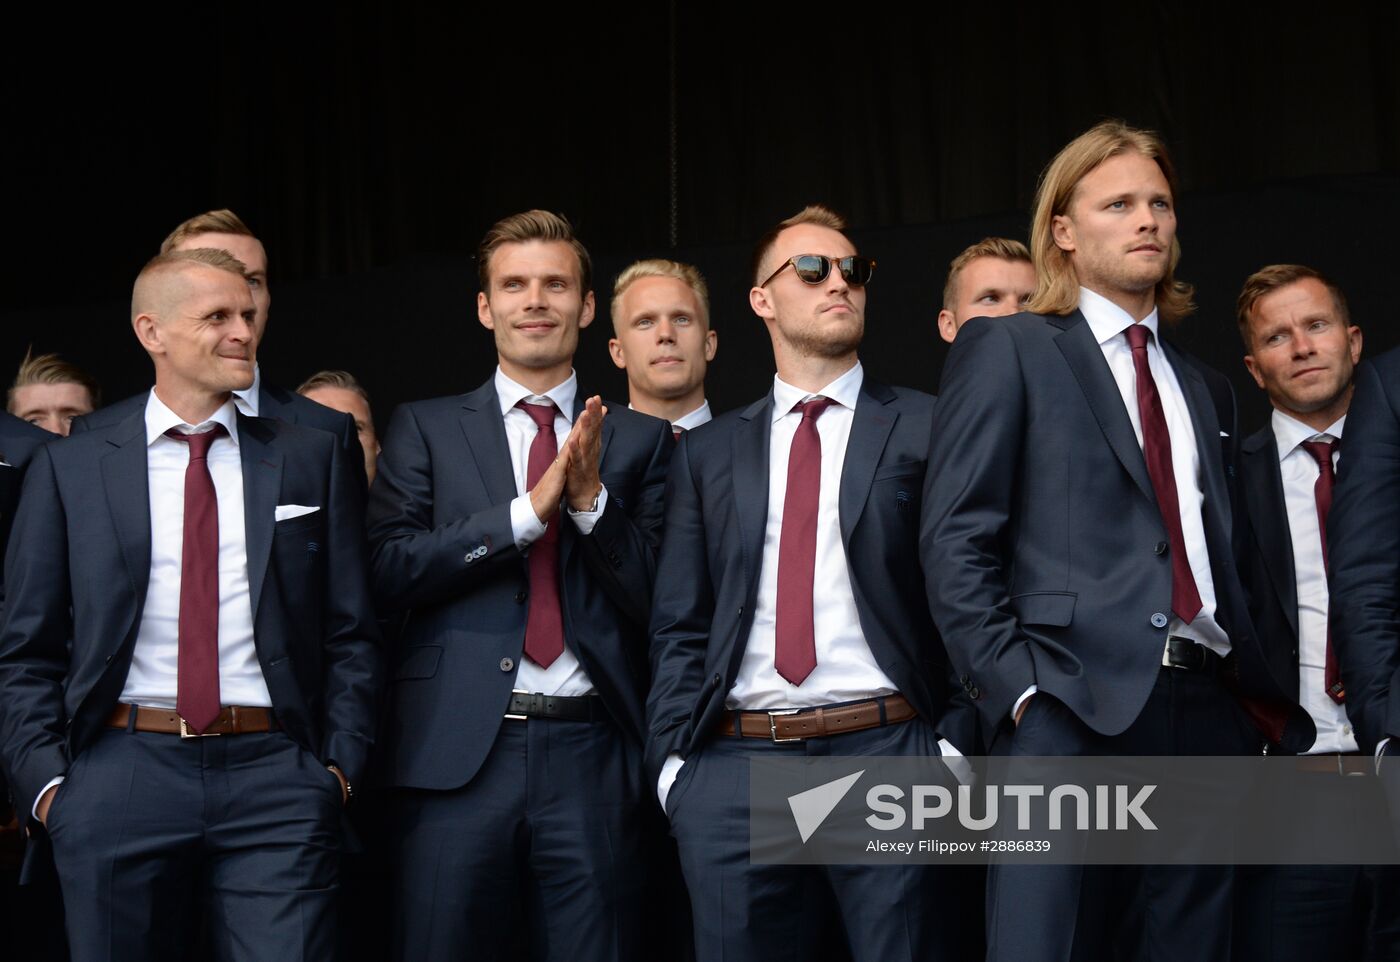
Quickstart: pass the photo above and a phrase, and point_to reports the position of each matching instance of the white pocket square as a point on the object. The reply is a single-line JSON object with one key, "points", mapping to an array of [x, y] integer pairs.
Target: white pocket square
{"points": [[286, 512]]}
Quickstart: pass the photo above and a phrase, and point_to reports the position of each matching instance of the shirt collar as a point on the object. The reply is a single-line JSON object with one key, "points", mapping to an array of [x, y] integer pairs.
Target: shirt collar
{"points": [[247, 399], [1289, 432], [844, 391], [694, 419], [509, 393], [1107, 320], [160, 419]]}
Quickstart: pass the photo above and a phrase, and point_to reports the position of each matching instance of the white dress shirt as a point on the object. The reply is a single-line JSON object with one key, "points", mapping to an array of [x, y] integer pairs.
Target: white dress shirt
{"points": [[846, 669], [153, 677], [1108, 323], [694, 419], [1299, 473], [566, 675], [247, 399]]}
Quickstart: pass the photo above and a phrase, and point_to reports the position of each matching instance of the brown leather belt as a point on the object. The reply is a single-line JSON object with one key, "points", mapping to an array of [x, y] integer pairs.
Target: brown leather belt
{"points": [[233, 720], [1335, 763], [795, 724]]}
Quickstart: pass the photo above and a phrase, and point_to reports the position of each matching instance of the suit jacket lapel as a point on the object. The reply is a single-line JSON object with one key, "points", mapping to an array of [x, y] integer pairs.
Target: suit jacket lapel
{"points": [[750, 474], [262, 483], [1086, 360], [870, 429], [1207, 427], [127, 485], [486, 442], [1264, 489]]}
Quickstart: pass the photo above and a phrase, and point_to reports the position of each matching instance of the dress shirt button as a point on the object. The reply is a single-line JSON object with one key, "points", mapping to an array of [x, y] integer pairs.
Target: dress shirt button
{"points": [[520, 597], [1160, 548], [1346, 729], [1159, 620], [507, 664]]}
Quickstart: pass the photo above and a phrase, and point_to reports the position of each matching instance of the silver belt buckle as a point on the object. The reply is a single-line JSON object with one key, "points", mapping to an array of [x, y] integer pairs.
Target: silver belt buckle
{"points": [[773, 725], [186, 733], [518, 691]]}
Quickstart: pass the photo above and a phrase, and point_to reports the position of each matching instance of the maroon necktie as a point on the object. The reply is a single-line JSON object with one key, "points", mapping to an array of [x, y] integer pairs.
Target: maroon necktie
{"points": [[795, 647], [677, 432], [197, 687], [544, 625], [1321, 452], [1157, 448]]}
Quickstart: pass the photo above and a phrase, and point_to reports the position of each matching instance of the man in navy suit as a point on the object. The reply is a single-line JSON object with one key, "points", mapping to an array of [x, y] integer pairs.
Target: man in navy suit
{"points": [[190, 572], [794, 612], [1077, 541], [1363, 544], [225, 230], [518, 525], [1302, 348]]}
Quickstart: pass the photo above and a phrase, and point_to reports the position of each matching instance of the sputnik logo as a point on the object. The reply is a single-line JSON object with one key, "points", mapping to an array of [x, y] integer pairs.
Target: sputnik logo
{"points": [[810, 808]]}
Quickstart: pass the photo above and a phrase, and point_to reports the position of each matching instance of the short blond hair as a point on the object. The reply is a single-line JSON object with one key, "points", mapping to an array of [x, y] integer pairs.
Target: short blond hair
{"points": [[818, 214], [1002, 247], [51, 369], [531, 225], [221, 221], [174, 262], [687, 274], [339, 379], [1057, 282]]}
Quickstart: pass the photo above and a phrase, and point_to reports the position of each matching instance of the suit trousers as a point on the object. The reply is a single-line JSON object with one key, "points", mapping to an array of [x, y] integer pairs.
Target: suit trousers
{"points": [[146, 825], [1152, 913], [746, 912], [543, 847]]}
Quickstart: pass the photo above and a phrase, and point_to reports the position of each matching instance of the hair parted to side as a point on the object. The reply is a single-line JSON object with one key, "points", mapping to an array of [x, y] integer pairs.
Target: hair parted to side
{"points": [[687, 274], [818, 214], [222, 221], [1002, 247], [341, 379], [1266, 280], [531, 225], [51, 369], [173, 262], [1057, 283]]}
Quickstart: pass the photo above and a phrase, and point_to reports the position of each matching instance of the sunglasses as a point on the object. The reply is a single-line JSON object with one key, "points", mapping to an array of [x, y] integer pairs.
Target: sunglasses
{"points": [[814, 268]]}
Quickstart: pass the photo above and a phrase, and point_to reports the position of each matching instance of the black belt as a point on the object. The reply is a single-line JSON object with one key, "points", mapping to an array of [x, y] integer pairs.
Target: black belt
{"points": [[584, 708], [1188, 655], [1336, 763]]}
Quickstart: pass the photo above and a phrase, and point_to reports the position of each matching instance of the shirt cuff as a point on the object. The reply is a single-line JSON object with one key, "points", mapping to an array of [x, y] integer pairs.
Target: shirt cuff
{"points": [[525, 526], [585, 520], [669, 771], [1016, 708], [35, 810], [955, 760]]}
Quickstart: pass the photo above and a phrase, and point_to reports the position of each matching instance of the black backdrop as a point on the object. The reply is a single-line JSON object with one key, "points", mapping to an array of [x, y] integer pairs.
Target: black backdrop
{"points": [[371, 145]]}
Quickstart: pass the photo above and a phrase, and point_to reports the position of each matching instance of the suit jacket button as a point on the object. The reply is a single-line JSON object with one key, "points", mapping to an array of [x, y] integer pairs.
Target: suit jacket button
{"points": [[965, 680], [974, 692], [520, 597], [469, 557], [1159, 620], [1160, 548], [507, 664]]}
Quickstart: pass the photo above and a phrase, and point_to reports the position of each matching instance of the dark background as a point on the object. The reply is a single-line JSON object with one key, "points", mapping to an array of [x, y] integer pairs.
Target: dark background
{"points": [[370, 146]]}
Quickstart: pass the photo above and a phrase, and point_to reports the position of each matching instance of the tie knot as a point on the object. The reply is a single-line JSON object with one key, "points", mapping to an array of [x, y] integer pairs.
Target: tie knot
{"points": [[542, 414], [813, 407], [1321, 452], [199, 442], [1137, 336]]}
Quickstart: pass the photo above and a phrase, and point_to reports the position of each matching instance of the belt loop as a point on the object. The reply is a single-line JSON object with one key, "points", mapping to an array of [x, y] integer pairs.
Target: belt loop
{"points": [[131, 711], [884, 720], [735, 723]]}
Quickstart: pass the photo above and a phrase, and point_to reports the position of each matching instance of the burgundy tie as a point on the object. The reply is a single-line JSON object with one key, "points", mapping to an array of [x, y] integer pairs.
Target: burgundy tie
{"points": [[795, 648], [197, 687], [1157, 448], [544, 625], [677, 432], [1321, 452]]}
